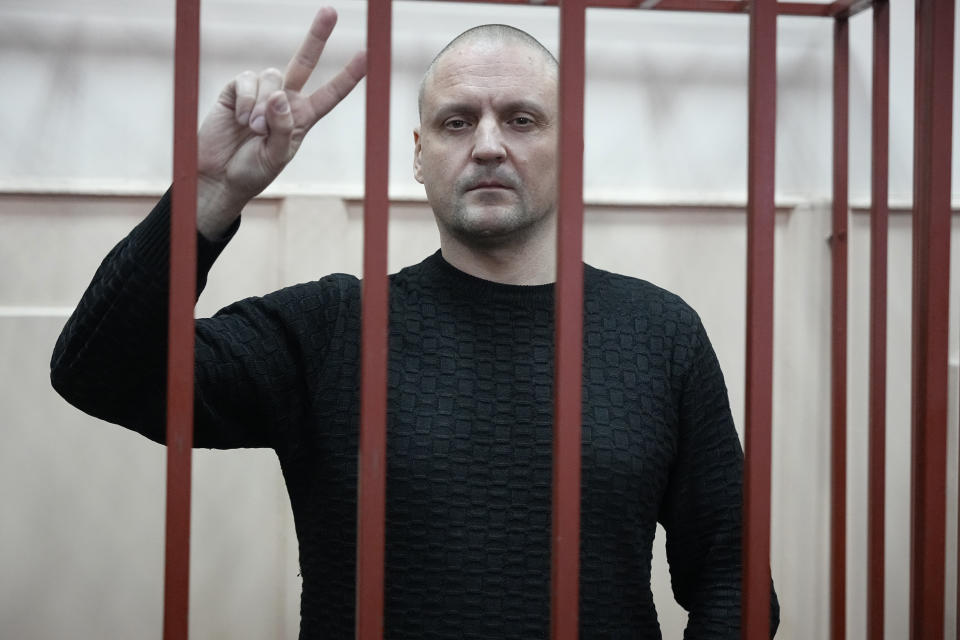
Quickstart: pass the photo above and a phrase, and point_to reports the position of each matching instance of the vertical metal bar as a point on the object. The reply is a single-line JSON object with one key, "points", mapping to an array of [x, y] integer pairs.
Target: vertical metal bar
{"points": [[933, 104], [371, 481], [879, 214], [183, 278], [565, 566], [183, 269], [838, 330], [759, 374]]}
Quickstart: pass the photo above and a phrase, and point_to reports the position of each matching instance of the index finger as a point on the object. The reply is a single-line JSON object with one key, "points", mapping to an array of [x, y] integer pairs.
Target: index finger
{"points": [[305, 60]]}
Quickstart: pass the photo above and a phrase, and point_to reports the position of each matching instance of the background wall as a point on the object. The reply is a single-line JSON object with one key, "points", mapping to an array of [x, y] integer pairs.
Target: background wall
{"points": [[85, 151]]}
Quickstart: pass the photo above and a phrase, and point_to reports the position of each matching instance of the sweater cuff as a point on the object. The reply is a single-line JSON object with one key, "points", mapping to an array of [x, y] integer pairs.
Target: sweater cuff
{"points": [[209, 250], [152, 240]]}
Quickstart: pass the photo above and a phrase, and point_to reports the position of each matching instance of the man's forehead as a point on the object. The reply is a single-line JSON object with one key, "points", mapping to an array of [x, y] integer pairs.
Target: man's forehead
{"points": [[492, 75], [477, 53], [501, 71]]}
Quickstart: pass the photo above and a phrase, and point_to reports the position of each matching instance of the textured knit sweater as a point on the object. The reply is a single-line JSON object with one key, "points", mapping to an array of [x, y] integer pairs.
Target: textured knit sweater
{"points": [[469, 437]]}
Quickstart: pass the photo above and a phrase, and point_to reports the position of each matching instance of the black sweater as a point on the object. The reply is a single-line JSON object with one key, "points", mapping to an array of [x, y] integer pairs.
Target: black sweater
{"points": [[469, 437]]}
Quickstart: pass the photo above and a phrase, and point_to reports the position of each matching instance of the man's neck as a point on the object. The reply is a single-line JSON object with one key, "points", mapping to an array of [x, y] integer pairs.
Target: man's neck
{"points": [[530, 263]]}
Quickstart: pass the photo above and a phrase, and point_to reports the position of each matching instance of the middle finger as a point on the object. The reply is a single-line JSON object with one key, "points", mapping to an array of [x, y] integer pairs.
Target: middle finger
{"points": [[305, 60], [270, 81]]}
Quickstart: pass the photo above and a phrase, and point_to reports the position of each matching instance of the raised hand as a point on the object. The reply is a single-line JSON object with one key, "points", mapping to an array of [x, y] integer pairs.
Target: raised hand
{"points": [[259, 122]]}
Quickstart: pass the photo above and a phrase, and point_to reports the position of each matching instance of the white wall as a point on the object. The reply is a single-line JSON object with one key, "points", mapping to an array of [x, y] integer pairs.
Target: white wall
{"points": [[86, 148]]}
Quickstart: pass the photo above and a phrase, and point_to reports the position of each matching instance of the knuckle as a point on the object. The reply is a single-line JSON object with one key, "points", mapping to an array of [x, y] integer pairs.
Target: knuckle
{"points": [[271, 73], [246, 86], [306, 59]]}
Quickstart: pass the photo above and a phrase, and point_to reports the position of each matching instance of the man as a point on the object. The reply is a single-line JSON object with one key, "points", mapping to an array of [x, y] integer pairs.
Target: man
{"points": [[470, 372]]}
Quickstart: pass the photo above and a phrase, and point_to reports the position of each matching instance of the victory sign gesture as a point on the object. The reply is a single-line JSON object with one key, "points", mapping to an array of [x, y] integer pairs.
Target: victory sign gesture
{"points": [[259, 122]]}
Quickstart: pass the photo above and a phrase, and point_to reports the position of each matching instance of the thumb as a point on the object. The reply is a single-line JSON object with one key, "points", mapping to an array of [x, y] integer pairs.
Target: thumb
{"points": [[280, 131]]}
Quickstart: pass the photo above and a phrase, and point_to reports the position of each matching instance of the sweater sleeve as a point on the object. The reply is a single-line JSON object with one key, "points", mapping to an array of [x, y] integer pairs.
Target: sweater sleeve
{"points": [[110, 358], [702, 509]]}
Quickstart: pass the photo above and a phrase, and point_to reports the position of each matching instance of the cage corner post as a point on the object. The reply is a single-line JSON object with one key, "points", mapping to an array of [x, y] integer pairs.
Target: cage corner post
{"points": [[839, 248], [877, 423], [933, 114], [762, 74]]}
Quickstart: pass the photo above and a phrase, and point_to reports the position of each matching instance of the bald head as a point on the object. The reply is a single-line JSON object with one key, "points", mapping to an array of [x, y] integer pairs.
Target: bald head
{"points": [[485, 34]]}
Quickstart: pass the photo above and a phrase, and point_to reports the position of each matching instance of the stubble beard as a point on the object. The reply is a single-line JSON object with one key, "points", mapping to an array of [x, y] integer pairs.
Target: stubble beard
{"points": [[487, 226]]}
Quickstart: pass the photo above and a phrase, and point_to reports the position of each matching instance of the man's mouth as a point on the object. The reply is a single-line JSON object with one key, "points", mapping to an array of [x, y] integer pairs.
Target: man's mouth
{"points": [[488, 184]]}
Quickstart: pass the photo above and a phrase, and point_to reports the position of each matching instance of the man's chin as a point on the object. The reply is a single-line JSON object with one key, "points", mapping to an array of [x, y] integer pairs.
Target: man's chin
{"points": [[492, 228], [489, 222]]}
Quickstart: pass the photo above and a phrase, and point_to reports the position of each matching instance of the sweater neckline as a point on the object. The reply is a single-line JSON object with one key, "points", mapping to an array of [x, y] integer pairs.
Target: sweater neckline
{"points": [[487, 290]]}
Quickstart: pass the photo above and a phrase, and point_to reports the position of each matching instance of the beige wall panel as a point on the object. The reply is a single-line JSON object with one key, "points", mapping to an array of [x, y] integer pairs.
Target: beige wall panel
{"points": [[51, 246], [898, 447], [81, 539], [81, 544], [800, 487]]}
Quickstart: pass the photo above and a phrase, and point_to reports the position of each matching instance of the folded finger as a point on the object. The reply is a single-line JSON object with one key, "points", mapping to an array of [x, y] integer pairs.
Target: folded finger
{"points": [[245, 87], [305, 60], [269, 82], [277, 145]]}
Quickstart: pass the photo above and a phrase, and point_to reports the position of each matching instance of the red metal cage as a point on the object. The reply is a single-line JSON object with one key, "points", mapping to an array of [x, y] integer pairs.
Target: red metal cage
{"points": [[932, 157]]}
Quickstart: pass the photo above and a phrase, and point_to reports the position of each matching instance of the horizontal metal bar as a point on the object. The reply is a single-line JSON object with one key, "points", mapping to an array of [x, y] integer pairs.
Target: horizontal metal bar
{"points": [[894, 210], [848, 8], [702, 6]]}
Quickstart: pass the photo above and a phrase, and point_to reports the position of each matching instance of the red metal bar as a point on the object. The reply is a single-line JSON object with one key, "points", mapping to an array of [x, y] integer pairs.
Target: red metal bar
{"points": [[931, 268], [183, 279], [372, 472], [565, 565], [711, 6], [879, 215], [703, 6], [897, 210], [730, 6], [838, 331], [759, 375], [804, 9], [848, 8]]}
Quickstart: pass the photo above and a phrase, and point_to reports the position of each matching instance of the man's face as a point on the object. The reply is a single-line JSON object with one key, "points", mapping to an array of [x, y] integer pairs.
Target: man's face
{"points": [[487, 144]]}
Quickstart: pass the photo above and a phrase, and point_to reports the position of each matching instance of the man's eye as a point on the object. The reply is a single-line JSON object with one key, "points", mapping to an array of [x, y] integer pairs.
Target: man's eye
{"points": [[456, 123], [522, 121]]}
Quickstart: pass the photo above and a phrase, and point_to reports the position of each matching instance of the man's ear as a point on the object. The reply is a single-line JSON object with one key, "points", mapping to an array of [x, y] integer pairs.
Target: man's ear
{"points": [[417, 168]]}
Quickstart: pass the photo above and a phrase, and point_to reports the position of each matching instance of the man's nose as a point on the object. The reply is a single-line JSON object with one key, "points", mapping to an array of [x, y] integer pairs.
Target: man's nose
{"points": [[488, 141]]}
